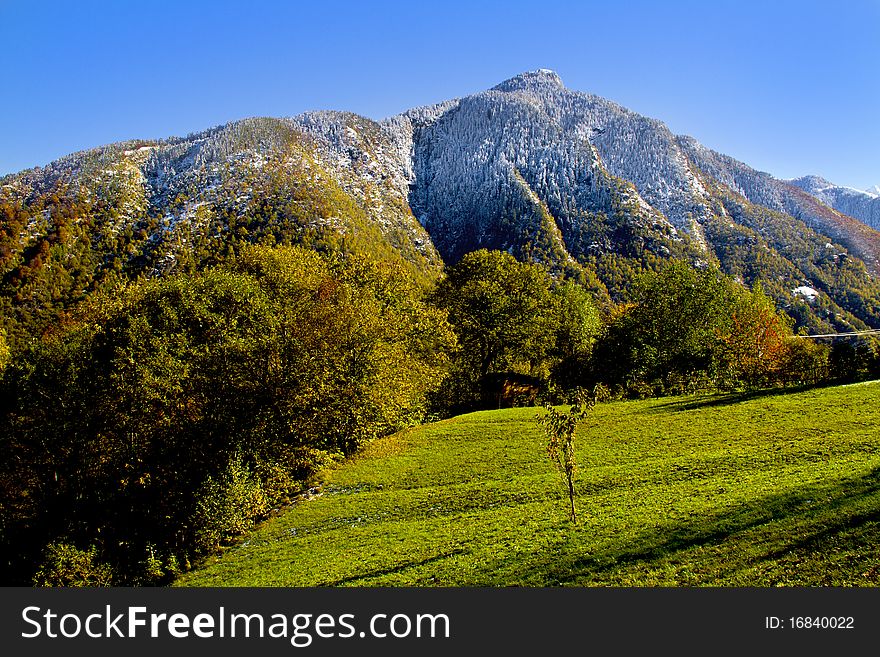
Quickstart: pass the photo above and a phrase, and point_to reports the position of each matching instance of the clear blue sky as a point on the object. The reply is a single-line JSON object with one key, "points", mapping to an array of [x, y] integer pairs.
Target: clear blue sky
{"points": [[789, 87]]}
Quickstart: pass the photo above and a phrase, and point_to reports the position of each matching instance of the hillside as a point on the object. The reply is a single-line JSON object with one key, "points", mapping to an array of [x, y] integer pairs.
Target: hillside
{"points": [[741, 490]]}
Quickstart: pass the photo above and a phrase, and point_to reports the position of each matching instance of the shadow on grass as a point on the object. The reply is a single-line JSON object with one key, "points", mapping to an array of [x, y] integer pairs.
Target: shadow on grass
{"points": [[730, 398], [360, 577], [805, 519]]}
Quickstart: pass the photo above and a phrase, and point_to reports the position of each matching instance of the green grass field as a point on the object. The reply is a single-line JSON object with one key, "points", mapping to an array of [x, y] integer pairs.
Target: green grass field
{"points": [[734, 490]]}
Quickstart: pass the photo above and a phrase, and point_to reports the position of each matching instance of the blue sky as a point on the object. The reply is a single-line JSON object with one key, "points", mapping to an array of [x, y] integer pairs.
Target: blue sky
{"points": [[789, 87]]}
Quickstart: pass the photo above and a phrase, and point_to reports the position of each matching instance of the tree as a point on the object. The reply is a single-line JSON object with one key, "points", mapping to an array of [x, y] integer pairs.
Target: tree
{"points": [[578, 321], [754, 343], [670, 332], [806, 361], [4, 350], [502, 311], [560, 429], [511, 318], [578, 325]]}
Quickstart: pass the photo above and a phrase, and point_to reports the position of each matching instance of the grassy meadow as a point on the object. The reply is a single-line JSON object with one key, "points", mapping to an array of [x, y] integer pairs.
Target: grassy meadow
{"points": [[776, 488]]}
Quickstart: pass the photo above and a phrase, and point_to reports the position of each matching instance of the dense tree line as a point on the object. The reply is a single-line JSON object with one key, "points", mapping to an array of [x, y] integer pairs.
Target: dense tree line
{"points": [[682, 329], [171, 416]]}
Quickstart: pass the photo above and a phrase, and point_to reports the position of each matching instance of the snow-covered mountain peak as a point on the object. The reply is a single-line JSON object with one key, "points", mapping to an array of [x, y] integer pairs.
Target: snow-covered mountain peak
{"points": [[875, 190], [539, 80]]}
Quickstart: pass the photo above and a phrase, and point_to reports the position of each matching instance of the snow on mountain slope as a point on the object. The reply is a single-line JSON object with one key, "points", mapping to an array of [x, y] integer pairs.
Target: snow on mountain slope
{"points": [[183, 190], [494, 168]]}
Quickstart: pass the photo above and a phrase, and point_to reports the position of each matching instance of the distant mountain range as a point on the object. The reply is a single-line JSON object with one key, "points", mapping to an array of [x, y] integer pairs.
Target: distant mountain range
{"points": [[863, 205], [577, 182]]}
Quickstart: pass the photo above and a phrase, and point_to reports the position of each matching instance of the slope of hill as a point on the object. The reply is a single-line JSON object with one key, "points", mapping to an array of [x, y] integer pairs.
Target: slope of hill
{"points": [[152, 208], [759, 490]]}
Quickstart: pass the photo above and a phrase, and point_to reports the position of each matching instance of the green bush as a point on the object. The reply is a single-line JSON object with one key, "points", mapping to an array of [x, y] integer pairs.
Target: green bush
{"points": [[690, 329], [854, 360], [228, 505], [806, 362], [66, 565]]}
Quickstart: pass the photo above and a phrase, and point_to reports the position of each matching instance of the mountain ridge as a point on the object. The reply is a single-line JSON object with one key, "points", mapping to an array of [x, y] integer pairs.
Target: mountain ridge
{"points": [[591, 189]]}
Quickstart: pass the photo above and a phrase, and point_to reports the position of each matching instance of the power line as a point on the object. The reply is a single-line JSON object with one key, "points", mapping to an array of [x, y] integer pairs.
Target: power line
{"points": [[842, 335]]}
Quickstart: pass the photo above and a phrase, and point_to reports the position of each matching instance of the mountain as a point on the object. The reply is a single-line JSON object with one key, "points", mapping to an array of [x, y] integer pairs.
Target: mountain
{"points": [[864, 206], [593, 190]]}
